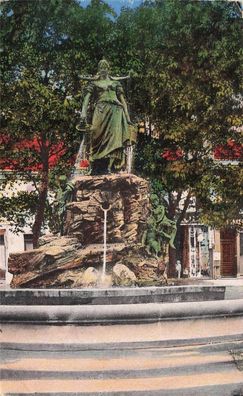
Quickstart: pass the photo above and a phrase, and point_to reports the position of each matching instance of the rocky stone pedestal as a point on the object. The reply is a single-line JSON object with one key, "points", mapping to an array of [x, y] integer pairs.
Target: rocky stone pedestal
{"points": [[125, 197], [75, 259]]}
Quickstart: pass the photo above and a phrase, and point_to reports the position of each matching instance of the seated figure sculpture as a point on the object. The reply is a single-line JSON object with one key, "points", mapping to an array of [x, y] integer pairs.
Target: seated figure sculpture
{"points": [[159, 226], [111, 130]]}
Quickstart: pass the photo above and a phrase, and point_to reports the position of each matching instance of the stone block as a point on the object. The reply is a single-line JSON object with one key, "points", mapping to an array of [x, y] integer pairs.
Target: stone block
{"points": [[123, 276]]}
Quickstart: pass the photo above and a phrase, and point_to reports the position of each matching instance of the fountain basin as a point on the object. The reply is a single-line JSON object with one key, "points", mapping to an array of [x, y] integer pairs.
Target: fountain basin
{"points": [[111, 296]]}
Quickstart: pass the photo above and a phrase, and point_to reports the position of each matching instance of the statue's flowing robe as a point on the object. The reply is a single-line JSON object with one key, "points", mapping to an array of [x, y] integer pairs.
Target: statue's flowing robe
{"points": [[109, 131]]}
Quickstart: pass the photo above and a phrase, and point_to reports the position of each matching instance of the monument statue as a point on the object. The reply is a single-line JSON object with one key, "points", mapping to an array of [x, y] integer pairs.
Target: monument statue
{"points": [[111, 130], [102, 218]]}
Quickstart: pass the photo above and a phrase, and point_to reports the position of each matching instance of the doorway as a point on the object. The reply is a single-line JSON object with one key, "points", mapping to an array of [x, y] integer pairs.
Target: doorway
{"points": [[228, 265]]}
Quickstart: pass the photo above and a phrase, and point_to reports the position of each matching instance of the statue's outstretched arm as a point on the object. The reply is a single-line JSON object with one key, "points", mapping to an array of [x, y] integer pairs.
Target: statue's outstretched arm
{"points": [[121, 78], [89, 78]]}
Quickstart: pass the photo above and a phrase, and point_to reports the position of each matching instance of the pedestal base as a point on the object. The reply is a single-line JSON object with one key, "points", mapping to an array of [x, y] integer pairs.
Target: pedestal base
{"points": [[75, 259]]}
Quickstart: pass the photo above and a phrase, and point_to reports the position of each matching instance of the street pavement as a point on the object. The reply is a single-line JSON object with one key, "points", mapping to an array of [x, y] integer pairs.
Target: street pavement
{"points": [[177, 357]]}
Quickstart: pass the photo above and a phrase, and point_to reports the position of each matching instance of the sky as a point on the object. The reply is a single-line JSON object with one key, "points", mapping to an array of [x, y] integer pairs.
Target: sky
{"points": [[116, 4]]}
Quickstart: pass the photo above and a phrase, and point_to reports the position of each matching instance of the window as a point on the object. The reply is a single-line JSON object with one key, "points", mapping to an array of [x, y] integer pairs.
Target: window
{"points": [[28, 242]]}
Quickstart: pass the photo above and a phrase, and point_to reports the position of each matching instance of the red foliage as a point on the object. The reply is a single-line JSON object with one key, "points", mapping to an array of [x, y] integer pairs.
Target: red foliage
{"points": [[229, 151], [4, 139], [84, 163], [55, 152], [172, 155]]}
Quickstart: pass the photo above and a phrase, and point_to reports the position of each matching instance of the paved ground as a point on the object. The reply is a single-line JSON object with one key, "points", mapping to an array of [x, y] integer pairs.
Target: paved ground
{"points": [[193, 357], [208, 281]]}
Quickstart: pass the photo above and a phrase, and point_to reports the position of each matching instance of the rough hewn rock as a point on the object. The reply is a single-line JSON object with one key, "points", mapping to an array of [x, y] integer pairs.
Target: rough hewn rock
{"points": [[46, 266], [64, 261], [147, 269], [59, 249], [71, 278], [123, 276], [128, 198], [90, 277], [67, 270]]}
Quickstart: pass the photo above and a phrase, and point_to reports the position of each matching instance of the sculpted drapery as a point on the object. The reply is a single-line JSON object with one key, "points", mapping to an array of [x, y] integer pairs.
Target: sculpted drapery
{"points": [[111, 128]]}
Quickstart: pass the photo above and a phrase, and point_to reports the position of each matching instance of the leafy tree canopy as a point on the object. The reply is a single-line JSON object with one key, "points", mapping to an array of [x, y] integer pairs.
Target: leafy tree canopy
{"points": [[186, 63]]}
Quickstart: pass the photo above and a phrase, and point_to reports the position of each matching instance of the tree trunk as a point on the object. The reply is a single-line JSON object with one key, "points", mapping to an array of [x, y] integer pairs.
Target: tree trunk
{"points": [[175, 254], [39, 217], [172, 263], [172, 252]]}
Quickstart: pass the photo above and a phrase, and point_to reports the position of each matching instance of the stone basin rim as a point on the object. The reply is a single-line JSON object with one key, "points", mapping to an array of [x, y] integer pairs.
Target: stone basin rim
{"points": [[116, 289]]}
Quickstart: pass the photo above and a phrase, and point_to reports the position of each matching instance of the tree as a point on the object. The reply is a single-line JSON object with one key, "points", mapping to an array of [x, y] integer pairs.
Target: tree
{"points": [[42, 124], [40, 93], [193, 77]]}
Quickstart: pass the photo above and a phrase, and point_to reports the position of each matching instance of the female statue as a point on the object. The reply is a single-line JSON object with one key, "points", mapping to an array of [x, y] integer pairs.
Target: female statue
{"points": [[111, 129]]}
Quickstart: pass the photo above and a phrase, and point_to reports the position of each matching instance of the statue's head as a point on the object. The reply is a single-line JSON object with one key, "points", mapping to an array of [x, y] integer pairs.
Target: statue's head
{"points": [[103, 66]]}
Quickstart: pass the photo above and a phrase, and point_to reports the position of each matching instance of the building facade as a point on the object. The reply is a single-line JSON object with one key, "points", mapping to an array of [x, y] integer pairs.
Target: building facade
{"points": [[208, 252]]}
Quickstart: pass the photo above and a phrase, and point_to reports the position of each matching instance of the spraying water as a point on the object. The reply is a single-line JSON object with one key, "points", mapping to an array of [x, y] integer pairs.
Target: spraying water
{"points": [[81, 155], [129, 154], [105, 243], [105, 207]]}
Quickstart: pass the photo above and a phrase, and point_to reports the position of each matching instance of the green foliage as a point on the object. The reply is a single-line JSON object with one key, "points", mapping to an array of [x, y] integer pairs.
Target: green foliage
{"points": [[220, 196], [186, 60], [36, 104], [193, 78], [26, 204]]}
